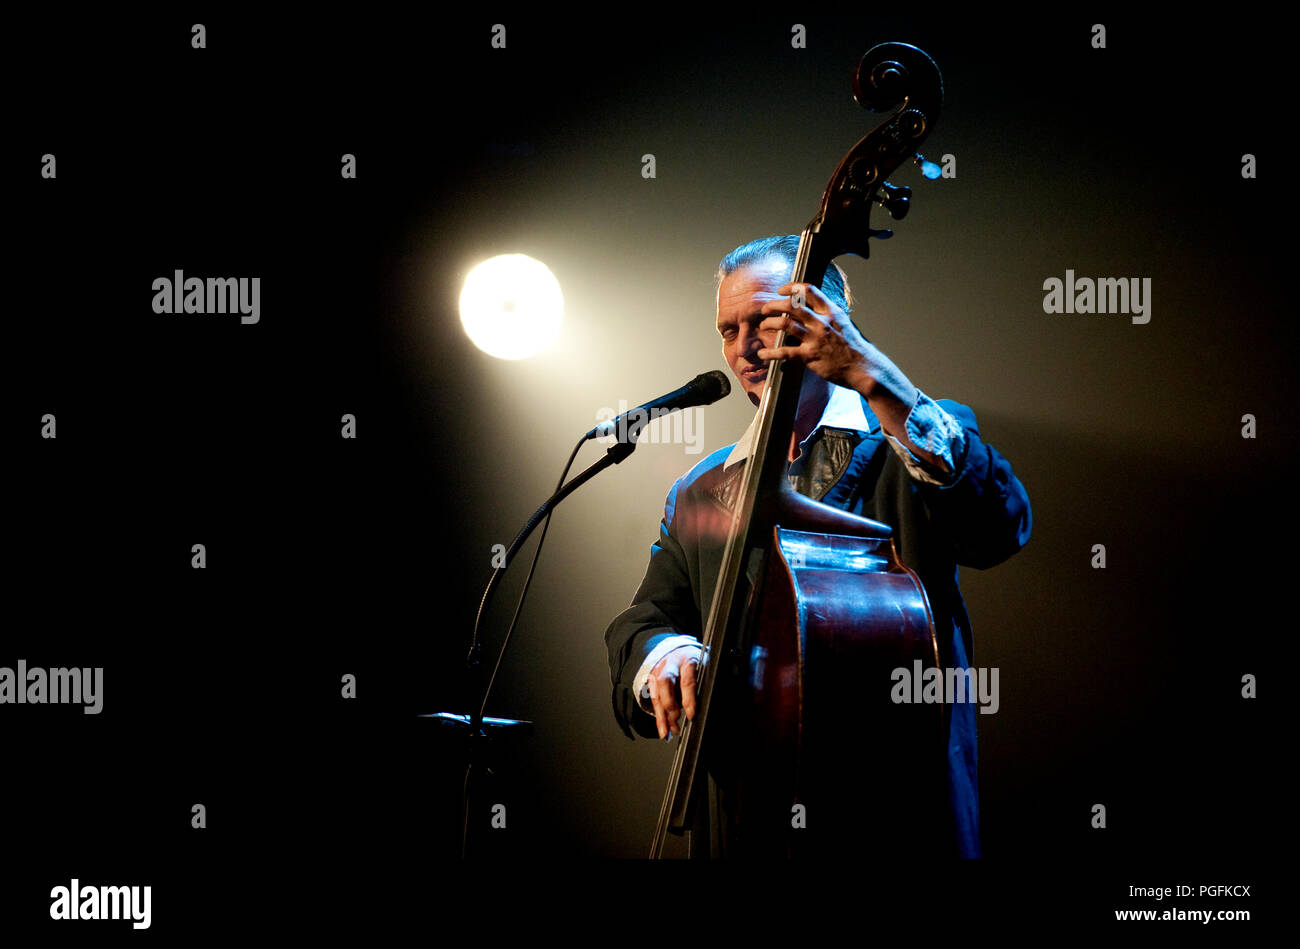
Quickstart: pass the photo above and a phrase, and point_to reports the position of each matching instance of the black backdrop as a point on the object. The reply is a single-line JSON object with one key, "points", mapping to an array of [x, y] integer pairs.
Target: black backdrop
{"points": [[329, 556]]}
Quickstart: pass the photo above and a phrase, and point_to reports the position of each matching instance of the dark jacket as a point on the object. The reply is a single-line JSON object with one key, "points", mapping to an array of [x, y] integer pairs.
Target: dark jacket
{"points": [[979, 520]]}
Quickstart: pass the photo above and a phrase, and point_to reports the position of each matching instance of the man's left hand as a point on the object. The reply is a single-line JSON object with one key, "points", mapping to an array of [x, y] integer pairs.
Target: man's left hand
{"points": [[828, 342], [830, 345]]}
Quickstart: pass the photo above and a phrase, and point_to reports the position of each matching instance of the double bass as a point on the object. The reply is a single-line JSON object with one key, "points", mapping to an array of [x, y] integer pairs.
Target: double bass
{"points": [[813, 610]]}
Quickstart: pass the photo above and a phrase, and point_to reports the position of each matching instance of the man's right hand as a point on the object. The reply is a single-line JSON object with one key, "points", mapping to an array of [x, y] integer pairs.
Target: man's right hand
{"points": [[672, 688]]}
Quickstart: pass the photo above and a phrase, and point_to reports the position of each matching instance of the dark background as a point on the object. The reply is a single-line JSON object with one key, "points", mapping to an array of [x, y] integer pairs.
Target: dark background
{"points": [[326, 556]]}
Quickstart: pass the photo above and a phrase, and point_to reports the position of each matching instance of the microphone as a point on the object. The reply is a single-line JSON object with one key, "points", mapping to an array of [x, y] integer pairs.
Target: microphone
{"points": [[704, 389]]}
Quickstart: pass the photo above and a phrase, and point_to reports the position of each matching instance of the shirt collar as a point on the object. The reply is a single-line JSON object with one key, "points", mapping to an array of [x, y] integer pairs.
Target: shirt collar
{"points": [[844, 410]]}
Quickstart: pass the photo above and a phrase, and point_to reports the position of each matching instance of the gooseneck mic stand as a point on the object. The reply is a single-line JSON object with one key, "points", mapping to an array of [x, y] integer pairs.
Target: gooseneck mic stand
{"points": [[478, 729], [704, 389]]}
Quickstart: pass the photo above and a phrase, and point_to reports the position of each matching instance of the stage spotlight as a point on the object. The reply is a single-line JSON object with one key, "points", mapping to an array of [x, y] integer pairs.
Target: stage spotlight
{"points": [[511, 306]]}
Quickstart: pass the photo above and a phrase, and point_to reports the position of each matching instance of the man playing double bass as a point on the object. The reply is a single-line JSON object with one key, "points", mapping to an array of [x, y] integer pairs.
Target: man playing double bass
{"points": [[865, 440]]}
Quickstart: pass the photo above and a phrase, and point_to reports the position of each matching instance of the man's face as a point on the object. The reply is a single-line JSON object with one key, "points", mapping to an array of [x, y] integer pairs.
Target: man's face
{"points": [[741, 296]]}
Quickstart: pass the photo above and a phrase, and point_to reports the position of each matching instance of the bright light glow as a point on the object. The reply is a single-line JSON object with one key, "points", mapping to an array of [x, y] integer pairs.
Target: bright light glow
{"points": [[511, 306]]}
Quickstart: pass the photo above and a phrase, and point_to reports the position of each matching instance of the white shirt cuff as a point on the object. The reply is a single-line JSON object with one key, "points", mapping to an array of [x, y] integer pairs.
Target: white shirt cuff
{"points": [[641, 684]]}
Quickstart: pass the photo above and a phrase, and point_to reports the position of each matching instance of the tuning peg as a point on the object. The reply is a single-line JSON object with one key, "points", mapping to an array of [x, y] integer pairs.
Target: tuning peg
{"points": [[928, 168], [897, 201]]}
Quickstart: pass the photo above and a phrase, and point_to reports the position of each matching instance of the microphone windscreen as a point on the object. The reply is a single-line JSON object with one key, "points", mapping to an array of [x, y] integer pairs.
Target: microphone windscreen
{"points": [[717, 383]]}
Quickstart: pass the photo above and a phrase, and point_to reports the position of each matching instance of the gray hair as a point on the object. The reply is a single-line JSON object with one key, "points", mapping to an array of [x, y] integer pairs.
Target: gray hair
{"points": [[785, 247]]}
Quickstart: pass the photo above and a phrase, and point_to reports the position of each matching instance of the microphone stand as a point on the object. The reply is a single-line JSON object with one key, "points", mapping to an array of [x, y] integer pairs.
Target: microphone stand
{"points": [[478, 729]]}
